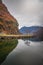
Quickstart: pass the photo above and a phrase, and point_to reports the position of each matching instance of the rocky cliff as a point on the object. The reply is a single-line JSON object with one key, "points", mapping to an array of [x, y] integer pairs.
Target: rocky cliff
{"points": [[8, 24]]}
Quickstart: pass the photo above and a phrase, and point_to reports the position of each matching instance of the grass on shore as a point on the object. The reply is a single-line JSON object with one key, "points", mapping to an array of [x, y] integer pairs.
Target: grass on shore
{"points": [[6, 46]]}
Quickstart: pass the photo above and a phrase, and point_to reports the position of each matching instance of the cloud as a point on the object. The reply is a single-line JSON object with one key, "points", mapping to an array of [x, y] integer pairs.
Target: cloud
{"points": [[27, 12]]}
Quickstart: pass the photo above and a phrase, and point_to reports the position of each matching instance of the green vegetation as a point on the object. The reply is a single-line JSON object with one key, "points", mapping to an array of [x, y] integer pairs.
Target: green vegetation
{"points": [[1, 20], [15, 24], [6, 46], [11, 22]]}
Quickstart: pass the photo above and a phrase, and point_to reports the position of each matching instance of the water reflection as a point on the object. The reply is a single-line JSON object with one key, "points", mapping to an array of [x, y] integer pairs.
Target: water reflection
{"points": [[6, 46], [29, 40], [27, 43], [26, 55]]}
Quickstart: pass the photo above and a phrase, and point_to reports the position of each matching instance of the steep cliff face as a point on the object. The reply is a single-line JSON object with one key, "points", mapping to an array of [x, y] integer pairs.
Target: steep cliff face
{"points": [[8, 24]]}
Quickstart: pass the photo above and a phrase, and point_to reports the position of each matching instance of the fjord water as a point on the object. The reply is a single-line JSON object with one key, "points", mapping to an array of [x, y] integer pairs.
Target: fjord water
{"points": [[26, 53]]}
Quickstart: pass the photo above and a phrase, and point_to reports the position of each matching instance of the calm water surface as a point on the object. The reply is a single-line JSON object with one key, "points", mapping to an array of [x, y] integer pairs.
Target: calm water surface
{"points": [[26, 53]]}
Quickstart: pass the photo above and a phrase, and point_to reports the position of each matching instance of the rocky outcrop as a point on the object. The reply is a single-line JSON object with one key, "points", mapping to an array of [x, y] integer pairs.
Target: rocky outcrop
{"points": [[8, 24]]}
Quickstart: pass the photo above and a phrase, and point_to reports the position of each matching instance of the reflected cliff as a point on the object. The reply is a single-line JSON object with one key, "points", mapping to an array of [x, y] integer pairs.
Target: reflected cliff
{"points": [[6, 46]]}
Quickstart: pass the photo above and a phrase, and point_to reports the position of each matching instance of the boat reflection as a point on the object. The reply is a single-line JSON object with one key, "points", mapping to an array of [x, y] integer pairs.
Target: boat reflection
{"points": [[27, 43]]}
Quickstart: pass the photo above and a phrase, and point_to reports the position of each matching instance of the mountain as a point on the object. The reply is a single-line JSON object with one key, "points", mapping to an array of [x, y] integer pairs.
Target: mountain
{"points": [[37, 31], [31, 29], [8, 24]]}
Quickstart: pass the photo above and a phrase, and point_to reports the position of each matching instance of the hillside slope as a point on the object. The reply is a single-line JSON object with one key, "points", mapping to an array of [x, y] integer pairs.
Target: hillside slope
{"points": [[8, 24]]}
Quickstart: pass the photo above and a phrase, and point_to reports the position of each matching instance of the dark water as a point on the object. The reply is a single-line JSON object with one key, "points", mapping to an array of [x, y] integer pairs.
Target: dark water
{"points": [[26, 53]]}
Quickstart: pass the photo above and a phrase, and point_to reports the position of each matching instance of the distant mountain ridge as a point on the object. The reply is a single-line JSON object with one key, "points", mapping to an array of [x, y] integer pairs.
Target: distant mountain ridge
{"points": [[37, 31], [30, 29]]}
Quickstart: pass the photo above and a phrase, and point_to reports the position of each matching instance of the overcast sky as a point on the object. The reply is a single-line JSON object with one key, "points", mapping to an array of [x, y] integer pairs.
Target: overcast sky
{"points": [[27, 12]]}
